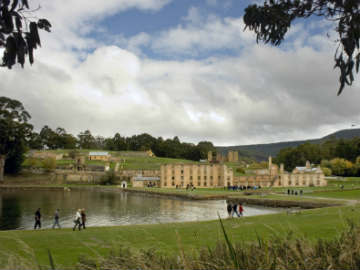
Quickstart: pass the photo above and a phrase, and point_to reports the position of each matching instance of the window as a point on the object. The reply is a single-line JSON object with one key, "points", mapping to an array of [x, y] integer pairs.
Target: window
{"points": [[165, 184], [289, 183], [173, 183], [205, 177], [173, 178], [204, 184], [219, 177], [211, 178], [198, 177], [182, 171], [182, 178], [191, 177]]}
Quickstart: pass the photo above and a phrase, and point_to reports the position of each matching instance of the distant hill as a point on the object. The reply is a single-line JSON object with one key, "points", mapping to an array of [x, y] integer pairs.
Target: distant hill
{"points": [[262, 151]]}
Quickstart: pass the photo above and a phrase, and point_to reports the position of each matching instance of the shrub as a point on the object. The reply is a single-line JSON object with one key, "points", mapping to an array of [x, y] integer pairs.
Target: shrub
{"points": [[109, 178], [240, 170], [49, 164], [73, 153], [326, 171]]}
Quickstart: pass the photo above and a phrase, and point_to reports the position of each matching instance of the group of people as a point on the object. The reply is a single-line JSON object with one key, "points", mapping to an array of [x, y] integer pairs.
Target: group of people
{"points": [[79, 220], [294, 192], [240, 187], [237, 209]]}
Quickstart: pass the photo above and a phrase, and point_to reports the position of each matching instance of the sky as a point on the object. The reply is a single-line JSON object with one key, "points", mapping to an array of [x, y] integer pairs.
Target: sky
{"points": [[181, 68]]}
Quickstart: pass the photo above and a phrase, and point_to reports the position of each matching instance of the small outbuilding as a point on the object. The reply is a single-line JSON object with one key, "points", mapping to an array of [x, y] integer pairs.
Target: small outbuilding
{"points": [[99, 156], [123, 184]]}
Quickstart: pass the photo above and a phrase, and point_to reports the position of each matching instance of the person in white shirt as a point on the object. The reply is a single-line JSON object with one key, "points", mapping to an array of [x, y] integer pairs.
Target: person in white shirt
{"points": [[77, 220]]}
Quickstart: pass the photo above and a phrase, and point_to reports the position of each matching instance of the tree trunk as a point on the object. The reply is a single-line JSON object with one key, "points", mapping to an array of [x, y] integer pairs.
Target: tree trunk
{"points": [[2, 165]]}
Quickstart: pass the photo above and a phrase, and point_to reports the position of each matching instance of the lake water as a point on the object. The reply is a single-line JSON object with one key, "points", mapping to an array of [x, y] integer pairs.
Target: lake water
{"points": [[106, 208]]}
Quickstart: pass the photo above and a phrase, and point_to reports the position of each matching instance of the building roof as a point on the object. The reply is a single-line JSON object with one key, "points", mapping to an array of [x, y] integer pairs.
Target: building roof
{"points": [[304, 169], [98, 153], [145, 178]]}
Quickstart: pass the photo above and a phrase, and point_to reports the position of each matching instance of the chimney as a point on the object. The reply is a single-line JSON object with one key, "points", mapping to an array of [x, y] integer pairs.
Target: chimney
{"points": [[270, 162], [282, 168]]}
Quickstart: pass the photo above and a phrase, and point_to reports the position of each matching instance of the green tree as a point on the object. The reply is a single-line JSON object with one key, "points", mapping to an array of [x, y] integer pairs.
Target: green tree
{"points": [[341, 167], [14, 131], [86, 140], [326, 171], [205, 147], [48, 137], [272, 20], [18, 32]]}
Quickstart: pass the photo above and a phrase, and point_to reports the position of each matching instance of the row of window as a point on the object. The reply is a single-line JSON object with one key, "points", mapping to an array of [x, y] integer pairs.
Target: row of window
{"points": [[296, 183], [192, 171], [182, 184]]}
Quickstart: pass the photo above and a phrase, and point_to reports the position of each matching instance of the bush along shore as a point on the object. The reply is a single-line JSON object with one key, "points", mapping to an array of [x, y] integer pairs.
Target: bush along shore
{"points": [[284, 252]]}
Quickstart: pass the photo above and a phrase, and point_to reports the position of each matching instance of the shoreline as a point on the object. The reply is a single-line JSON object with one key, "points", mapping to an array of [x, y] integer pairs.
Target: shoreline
{"points": [[274, 203]]}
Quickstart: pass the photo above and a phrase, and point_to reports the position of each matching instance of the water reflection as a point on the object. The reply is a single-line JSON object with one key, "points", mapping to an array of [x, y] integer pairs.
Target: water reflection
{"points": [[106, 208]]}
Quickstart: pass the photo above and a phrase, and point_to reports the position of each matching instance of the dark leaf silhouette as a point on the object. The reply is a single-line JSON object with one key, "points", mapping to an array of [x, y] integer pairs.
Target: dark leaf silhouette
{"points": [[19, 35], [273, 19]]}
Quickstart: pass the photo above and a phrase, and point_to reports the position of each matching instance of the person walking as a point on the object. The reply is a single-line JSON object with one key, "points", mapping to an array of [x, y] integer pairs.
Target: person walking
{"points": [[235, 210], [56, 219], [241, 209], [83, 218], [37, 219], [229, 209], [77, 220]]}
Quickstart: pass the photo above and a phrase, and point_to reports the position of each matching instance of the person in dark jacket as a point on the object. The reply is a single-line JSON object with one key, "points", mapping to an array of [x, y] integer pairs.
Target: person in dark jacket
{"points": [[235, 210], [83, 218], [37, 219], [229, 209]]}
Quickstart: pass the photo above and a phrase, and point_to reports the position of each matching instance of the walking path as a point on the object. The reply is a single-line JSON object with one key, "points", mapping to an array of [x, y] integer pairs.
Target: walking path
{"points": [[346, 201]]}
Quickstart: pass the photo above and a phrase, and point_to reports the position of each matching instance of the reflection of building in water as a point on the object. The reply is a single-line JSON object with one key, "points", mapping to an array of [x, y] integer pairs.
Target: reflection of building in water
{"points": [[300, 176], [197, 175]]}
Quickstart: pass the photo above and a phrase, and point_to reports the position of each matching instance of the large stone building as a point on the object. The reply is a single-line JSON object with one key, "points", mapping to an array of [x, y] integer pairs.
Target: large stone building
{"points": [[231, 156], [275, 177], [198, 175]]}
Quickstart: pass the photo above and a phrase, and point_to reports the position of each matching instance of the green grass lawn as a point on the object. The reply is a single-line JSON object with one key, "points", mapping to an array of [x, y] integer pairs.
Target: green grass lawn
{"points": [[150, 163], [340, 194], [66, 246]]}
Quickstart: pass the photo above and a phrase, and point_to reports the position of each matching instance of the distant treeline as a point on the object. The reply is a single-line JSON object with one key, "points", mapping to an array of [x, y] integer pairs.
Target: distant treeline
{"points": [[340, 155], [173, 148]]}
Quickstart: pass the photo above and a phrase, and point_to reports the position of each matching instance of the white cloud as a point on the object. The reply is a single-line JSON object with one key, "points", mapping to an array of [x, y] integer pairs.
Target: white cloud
{"points": [[202, 35], [260, 94]]}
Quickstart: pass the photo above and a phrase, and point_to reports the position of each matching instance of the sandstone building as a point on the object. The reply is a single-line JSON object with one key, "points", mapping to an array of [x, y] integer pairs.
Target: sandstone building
{"points": [[198, 175], [275, 177], [231, 156]]}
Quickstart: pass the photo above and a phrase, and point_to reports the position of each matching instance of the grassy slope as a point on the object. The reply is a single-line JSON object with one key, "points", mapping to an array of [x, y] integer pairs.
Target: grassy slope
{"points": [[66, 245], [131, 163]]}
